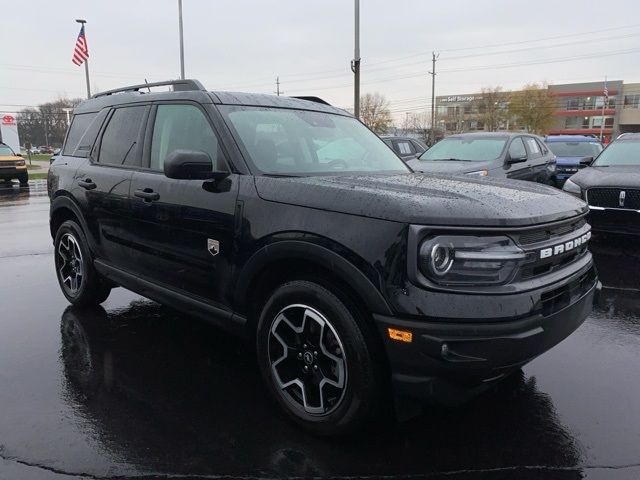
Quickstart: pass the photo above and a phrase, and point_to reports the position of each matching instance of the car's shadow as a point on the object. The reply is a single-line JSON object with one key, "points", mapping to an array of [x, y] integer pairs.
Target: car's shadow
{"points": [[175, 395]]}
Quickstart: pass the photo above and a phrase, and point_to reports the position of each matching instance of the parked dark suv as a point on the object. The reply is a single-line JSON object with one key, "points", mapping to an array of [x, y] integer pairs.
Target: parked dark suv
{"points": [[288, 221]]}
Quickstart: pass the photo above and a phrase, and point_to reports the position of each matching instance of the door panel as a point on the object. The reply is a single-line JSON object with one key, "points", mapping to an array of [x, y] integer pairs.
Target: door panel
{"points": [[522, 170], [104, 181], [184, 229]]}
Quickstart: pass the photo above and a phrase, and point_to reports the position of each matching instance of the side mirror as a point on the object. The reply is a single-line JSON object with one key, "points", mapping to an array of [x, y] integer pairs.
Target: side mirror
{"points": [[585, 162], [191, 165], [511, 159], [18, 154]]}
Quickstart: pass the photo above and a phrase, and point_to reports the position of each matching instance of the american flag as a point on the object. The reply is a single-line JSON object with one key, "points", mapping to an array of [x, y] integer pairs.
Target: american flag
{"points": [[606, 94], [81, 51]]}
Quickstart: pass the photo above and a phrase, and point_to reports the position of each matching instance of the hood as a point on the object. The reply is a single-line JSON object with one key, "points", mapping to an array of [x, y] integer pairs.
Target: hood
{"points": [[426, 199], [448, 166], [10, 158], [623, 176]]}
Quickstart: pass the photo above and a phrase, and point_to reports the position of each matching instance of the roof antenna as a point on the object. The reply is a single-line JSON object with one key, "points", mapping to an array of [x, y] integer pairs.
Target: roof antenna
{"points": [[148, 88]]}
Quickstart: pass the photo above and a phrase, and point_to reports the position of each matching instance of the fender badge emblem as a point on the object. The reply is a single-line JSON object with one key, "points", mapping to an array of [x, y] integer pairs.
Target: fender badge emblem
{"points": [[213, 246]]}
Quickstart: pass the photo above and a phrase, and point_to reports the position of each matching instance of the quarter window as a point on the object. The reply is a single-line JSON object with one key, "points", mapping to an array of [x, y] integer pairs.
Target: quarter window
{"points": [[183, 127], [119, 144], [405, 148], [79, 125], [534, 148]]}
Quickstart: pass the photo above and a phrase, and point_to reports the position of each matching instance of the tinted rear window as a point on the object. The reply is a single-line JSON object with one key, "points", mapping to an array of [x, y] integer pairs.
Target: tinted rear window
{"points": [[575, 149]]}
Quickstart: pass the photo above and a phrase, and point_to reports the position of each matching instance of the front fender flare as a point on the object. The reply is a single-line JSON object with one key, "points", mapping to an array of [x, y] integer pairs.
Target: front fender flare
{"points": [[311, 252]]}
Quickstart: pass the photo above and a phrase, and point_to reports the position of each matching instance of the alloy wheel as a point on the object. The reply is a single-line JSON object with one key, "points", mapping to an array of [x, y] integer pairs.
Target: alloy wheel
{"points": [[70, 266], [307, 360]]}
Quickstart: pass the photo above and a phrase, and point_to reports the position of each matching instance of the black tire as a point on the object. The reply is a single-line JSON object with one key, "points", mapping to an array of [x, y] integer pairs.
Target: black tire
{"points": [[80, 283], [24, 179], [345, 343]]}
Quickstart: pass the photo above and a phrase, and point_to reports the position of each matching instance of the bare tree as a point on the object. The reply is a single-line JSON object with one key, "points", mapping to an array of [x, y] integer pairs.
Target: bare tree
{"points": [[494, 108], [532, 107], [46, 124], [417, 124], [374, 112]]}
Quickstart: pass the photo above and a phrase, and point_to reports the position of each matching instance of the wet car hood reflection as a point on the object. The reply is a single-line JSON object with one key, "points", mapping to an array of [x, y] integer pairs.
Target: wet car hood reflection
{"points": [[141, 374]]}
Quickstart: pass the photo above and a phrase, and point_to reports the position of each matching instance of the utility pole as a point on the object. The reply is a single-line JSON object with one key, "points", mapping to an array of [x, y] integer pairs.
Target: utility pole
{"points": [[355, 63], [86, 60], [278, 92], [68, 111], [46, 129], [181, 39], [434, 57]]}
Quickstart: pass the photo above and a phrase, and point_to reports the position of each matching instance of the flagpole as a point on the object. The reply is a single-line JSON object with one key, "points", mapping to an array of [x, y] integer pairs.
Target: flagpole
{"points": [[604, 104], [86, 62]]}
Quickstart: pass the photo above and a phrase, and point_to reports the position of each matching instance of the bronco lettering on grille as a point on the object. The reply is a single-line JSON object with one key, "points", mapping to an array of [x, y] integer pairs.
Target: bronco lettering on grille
{"points": [[565, 247]]}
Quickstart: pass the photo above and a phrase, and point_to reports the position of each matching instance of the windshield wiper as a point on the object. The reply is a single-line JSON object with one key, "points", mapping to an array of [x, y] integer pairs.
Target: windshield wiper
{"points": [[279, 175], [450, 160]]}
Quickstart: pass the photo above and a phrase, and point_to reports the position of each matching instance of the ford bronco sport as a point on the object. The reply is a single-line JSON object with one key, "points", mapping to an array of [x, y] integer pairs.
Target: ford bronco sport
{"points": [[286, 220]]}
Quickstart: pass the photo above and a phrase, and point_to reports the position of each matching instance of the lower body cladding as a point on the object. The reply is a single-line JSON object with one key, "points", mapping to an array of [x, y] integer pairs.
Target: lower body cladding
{"points": [[448, 361], [614, 220]]}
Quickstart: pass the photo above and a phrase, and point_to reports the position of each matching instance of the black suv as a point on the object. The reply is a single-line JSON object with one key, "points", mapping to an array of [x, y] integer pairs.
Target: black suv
{"points": [[286, 220]]}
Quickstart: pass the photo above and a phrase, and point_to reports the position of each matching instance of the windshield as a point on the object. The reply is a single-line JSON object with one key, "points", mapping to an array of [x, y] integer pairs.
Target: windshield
{"points": [[4, 150], [575, 149], [619, 153], [297, 142], [466, 149]]}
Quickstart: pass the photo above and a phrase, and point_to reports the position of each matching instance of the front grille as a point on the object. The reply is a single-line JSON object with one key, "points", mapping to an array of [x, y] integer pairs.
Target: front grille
{"points": [[533, 242], [548, 233], [613, 198], [11, 163], [559, 298]]}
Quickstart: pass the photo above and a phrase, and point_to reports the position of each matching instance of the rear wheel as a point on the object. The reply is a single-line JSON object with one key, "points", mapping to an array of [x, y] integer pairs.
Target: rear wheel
{"points": [[78, 279], [316, 360]]}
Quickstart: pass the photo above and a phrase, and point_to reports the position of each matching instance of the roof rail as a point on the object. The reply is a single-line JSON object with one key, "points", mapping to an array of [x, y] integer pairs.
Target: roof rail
{"points": [[313, 99], [178, 86]]}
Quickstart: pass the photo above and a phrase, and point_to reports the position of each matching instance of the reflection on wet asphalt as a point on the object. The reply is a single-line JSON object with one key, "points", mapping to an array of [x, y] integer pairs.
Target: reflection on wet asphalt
{"points": [[136, 389]]}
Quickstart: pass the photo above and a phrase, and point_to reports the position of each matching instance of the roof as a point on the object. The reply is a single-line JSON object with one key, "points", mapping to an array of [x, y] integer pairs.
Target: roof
{"points": [[570, 138], [490, 134], [194, 91], [634, 137]]}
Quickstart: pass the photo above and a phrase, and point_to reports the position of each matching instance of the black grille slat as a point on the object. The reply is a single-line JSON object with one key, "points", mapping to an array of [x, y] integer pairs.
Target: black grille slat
{"points": [[610, 198], [557, 299], [548, 233]]}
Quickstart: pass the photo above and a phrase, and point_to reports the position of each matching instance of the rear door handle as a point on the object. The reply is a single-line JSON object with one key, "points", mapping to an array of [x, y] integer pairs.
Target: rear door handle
{"points": [[87, 184], [148, 195]]}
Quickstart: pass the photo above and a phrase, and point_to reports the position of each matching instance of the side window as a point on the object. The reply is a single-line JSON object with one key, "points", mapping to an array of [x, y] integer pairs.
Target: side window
{"points": [[404, 147], [516, 149], [419, 148], [533, 147], [79, 126], [542, 146], [119, 144], [183, 127]]}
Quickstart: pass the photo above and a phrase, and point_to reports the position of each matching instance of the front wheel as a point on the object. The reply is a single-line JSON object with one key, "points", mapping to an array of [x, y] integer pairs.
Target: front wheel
{"points": [[80, 283], [24, 179], [316, 360]]}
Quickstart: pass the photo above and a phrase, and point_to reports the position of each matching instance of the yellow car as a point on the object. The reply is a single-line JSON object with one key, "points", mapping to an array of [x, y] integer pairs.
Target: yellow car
{"points": [[12, 166]]}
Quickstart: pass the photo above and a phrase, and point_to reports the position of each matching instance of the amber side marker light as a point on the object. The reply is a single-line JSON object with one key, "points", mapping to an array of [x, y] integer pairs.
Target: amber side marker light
{"points": [[400, 335]]}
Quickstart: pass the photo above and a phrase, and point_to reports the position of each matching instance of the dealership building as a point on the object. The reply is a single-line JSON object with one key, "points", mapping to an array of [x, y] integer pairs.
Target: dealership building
{"points": [[578, 109]]}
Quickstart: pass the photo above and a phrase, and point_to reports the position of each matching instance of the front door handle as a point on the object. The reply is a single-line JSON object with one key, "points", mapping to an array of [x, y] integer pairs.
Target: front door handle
{"points": [[87, 184], [147, 194]]}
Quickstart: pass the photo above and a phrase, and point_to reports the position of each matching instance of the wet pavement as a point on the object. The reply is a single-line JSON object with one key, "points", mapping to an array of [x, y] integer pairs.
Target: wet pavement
{"points": [[136, 390]]}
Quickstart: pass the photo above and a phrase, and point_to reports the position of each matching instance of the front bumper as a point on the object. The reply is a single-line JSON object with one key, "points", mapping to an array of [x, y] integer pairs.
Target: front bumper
{"points": [[12, 171], [446, 361]]}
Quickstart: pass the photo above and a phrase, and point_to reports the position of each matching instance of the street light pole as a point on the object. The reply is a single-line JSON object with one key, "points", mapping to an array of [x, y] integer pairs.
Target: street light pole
{"points": [[355, 63], [434, 57], [86, 62], [181, 40]]}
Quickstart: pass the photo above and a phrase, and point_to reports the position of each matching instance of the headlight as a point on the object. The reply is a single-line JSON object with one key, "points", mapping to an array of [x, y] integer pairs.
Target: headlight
{"points": [[479, 173], [20, 163], [469, 260], [572, 188]]}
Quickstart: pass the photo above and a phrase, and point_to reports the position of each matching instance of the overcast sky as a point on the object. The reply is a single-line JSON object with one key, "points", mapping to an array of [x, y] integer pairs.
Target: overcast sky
{"points": [[243, 45]]}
